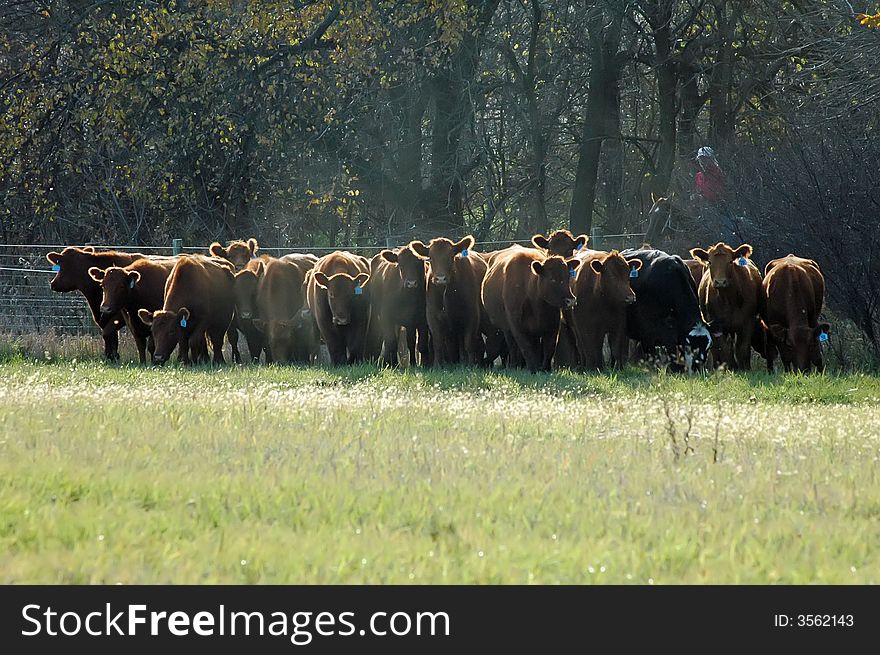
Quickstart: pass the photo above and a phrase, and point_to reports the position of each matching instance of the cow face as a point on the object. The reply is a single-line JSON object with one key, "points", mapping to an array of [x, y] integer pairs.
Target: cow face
{"points": [[615, 271], [244, 290], [281, 335], [73, 268], [168, 328], [441, 253], [554, 275], [409, 265], [696, 346], [721, 259], [116, 285], [341, 293], [799, 346], [239, 253], [561, 243]]}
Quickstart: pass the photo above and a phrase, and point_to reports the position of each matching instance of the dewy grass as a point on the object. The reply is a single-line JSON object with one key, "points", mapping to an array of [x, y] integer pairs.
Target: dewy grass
{"points": [[281, 474]]}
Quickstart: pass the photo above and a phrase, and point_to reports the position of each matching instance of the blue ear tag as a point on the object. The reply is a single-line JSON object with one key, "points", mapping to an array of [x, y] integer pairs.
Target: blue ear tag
{"points": [[464, 253], [823, 337], [742, 261], [572, 272], [580, 246], [131, 286], [634, 273], [358, 291], [56, 268], [183, 322]]}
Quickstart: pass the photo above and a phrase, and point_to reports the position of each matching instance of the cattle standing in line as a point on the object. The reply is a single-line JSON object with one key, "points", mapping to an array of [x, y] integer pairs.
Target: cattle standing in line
{"points": [[666, 313], [524, 293], [140, 285], [71, 267], [398, 296], [198, 301], [603, 292], [794, 292], [730, 292], [453, 306], [339, 301]]}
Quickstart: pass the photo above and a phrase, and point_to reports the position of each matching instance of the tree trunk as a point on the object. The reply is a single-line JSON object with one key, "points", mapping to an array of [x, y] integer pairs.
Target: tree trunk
{"points": [[667, 82]]}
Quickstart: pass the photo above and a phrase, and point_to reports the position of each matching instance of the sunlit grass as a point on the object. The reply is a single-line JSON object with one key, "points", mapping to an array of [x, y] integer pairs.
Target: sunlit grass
{"points": [[254, 474]]}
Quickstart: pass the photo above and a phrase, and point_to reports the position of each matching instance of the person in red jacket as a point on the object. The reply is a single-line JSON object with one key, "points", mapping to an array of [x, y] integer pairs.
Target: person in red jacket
{"points": [[709, 191]]}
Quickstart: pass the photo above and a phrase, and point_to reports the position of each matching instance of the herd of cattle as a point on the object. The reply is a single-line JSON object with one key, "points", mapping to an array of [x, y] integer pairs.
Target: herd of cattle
{"points": [[553, 304]]}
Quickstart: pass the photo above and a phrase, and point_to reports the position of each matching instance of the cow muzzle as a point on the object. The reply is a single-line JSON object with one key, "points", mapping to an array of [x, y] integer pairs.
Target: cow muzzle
{"points": [[411, 284], [440, 279], [721, 284], [341, 321], [629, 300], [105, 310], [246, 316], [569, 303]]}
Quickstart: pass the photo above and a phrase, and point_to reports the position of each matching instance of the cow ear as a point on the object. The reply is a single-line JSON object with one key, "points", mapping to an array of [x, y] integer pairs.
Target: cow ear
{"points": [[573, 263], [389, 256], [777, 331], [744, 250], [581, 242], [419, 249], [97, 274], [597, 266], [253, 246], [540, 241], [53, 257], [634, 264], [700, 254], [537, 267], [465, 244], [89, 249], [146, 316], [259, 324], [217, 250], [134, 277], [362, 279], [321, 280]]}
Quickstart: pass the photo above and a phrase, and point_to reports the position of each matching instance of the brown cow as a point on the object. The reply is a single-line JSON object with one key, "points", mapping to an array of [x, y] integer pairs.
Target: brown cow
{"points": [[397, 292], [237, 252], [794, 292], [280, 314], [244, 289], [603, 293], [71, 267], [339, 301], [730, 293], [452, 299], [140, 285], [560, 242], [524, 293], [198, 301], [697, 268]]}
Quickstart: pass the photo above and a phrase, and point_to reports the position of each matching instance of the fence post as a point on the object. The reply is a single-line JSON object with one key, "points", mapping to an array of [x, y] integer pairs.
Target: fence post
{"points": [[176, 246], [595, 238]]}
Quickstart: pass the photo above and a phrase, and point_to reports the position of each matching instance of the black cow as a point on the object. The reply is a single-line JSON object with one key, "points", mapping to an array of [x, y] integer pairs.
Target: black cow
{"points": [[666, 313]]}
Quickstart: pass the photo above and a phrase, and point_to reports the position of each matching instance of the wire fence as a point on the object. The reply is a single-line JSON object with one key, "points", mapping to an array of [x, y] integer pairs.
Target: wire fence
{"points": [[28, 305]]}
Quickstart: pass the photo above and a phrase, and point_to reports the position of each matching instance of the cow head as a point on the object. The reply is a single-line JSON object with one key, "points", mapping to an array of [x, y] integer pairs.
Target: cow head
{"points": [[554, 275], [341, 292], [441, 254], [116, 284], [244, 290], [237, 252], [721, 259], [409, 265], [614, 272], [696, 346], [167, 328], [72, 270], [280, 335], [561, 243], [798, 346]]}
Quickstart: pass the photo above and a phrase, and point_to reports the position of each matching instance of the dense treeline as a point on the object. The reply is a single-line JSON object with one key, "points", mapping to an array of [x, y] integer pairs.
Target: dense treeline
{"points": [[376, 121]]}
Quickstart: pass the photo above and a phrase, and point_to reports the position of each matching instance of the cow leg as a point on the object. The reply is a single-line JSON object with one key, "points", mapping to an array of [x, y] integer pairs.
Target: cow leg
{"points": [[592, 352], [390, 336], [232, 335], [336, 348], [151, 346], [183, 350], [141, 342], [531, 351], [744, 347], [548, 347], [425, 348], [474, 349], [216, 337], [619, 343], [110, 332], [514, 356], [254, 344]]}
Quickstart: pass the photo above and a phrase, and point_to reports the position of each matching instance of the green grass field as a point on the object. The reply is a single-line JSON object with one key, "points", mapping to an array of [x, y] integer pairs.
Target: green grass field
{"points": [[283, 475]]}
